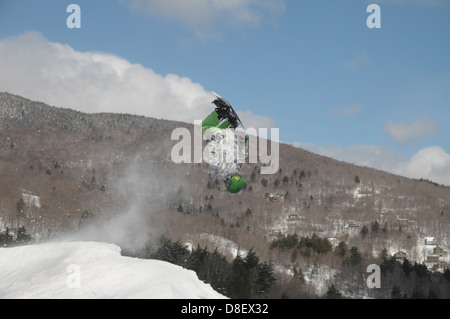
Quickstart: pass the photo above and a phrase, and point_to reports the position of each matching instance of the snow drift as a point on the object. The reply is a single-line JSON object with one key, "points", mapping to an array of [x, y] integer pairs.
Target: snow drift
{"points": [[92, 270]]}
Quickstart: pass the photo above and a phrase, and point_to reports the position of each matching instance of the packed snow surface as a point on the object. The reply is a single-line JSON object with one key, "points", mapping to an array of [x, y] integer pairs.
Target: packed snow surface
{"points": [[92, 270]]}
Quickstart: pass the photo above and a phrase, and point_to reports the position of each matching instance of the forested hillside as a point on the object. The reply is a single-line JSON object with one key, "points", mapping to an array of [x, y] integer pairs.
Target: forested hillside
{"points": [[316, 223]]}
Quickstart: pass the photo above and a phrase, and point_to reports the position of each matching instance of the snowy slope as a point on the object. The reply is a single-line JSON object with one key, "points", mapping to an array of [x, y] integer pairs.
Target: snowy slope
{"points": [[92, 270]]}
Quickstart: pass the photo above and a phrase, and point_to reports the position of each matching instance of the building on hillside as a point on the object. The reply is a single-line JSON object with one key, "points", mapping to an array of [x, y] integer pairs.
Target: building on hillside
{"points": [[440, 252], [430, 241], [401, 255]]}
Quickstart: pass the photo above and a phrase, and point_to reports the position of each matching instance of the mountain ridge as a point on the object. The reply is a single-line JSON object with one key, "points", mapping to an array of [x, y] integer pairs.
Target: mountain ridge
{"points": [[111, 165]]}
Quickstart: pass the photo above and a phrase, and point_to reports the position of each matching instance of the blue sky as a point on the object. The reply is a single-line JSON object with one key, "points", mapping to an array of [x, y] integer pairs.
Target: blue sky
{"points": [[373, 97]]}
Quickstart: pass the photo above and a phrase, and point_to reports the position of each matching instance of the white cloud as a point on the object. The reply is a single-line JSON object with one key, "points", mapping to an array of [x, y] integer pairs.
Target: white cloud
{"points": [[363, 155], [403, 133], [431, 163], [251, 120], [202, 15], [92, 82]]}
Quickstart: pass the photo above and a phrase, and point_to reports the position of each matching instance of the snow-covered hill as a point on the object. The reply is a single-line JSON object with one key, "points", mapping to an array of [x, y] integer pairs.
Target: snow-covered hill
{"points": [[92, 270]]}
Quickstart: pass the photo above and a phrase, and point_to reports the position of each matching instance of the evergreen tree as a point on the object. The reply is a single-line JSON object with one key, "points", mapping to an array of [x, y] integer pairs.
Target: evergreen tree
{"points": [[302, 175], [355, 256], [251, 260], [364, 231], [265, 278], [22, 235], [6, 237], [285, 243], [221, 273], [375, 226], [417, 293], [333, 293], [298, 273], [196, 260], [323, 245], [387, 262], [407, 267], [294, 256], [145, 252], [447, 274], [174, 253], [306, 252], [421, 270], [432, 295], [240, 285], [250, 277], [341, 249], [384, 255], [396, 293], [291, 241], [243, 278]]}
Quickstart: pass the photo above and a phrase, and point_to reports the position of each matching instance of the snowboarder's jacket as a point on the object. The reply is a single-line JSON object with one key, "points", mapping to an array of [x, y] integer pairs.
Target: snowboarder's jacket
{"points": [[226, 151]]}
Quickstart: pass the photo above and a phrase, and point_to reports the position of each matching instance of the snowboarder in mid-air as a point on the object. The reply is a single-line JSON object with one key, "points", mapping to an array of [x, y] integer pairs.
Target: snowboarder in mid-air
{"points": [[226, 149]]}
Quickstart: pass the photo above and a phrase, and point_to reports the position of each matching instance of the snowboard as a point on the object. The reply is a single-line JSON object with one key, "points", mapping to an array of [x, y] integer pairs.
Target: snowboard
{"points": [[231, 115]]}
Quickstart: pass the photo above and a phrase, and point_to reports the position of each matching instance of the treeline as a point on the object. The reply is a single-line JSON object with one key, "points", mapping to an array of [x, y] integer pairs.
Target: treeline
{"points": [[315, 243], [243, 278], [21, 237], [399, 278], [404, 279]]}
